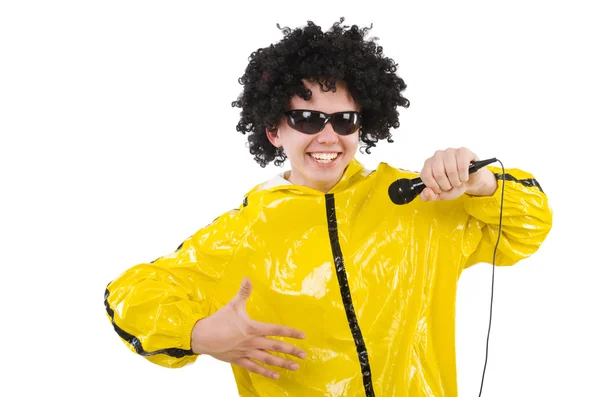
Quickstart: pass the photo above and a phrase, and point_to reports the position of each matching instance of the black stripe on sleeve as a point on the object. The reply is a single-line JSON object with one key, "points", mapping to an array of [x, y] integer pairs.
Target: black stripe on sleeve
{"points": [[135, 342]]}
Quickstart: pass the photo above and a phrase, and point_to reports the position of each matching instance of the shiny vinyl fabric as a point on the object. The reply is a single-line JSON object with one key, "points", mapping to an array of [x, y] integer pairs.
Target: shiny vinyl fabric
{"points": [[372, 284]]}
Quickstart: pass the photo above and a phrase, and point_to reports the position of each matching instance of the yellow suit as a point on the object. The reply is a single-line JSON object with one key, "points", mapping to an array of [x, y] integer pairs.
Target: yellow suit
{"points": [[371, 283]]}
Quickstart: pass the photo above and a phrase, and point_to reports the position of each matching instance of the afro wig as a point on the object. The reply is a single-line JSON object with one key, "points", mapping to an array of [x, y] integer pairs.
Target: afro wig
{"points": [[274, 75]]}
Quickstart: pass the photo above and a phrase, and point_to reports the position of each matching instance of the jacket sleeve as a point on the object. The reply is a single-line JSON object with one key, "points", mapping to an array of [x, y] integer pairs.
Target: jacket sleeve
{"points": [[526, 220], [154, 306]]}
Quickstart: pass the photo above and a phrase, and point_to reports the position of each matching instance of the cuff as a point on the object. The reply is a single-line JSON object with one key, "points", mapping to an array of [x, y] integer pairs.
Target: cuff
{"points": [[186, 330], [491, 201]]}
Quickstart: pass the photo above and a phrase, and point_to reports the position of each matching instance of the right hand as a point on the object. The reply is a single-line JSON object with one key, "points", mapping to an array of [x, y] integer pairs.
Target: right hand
{"points": [[230, 335]]}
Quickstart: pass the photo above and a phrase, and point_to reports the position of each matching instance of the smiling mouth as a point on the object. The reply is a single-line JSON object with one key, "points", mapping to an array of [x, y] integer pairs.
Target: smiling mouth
{"points": [[324, 158]]}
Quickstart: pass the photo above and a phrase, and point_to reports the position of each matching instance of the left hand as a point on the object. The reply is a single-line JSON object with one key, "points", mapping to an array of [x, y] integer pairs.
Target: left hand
{"points": [[446, 176]]}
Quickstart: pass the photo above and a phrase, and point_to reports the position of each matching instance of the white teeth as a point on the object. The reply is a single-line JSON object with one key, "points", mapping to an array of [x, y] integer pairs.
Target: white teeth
{"points": [[324, 157]]}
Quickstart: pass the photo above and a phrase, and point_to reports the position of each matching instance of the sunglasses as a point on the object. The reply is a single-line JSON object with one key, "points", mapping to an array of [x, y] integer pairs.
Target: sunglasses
{"points": [[312, 121]]}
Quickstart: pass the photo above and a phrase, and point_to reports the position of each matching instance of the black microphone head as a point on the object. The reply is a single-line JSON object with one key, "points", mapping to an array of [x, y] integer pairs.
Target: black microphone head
{"points": [[401, 191]]}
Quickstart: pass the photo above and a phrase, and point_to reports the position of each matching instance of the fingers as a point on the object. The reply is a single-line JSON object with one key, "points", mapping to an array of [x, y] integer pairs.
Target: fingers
{"points": [[278, 346], [465, 156], [429, 195], [266, 358], [267, 329], [428, 178], [446, 173], [254, 367], [439, 168], [258, 349], [270, 359], [451, 169]]}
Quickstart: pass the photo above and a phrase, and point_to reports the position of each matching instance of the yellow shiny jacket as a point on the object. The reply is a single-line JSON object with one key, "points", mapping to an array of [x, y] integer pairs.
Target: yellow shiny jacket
{"points": [[371, 283]]}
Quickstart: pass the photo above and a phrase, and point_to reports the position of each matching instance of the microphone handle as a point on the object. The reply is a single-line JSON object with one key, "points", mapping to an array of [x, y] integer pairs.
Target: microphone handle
{"points": [[418, 186]]}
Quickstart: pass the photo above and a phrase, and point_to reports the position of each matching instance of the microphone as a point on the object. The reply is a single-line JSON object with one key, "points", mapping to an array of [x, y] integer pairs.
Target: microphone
{"points": [[405, 190]]}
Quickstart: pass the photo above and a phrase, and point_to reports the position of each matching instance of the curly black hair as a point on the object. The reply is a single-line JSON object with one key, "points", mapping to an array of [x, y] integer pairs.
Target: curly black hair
{"points": [[275, 73]]}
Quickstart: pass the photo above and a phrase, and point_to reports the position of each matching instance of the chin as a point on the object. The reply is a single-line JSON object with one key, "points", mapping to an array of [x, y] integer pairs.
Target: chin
{"points": [[326, 175]]}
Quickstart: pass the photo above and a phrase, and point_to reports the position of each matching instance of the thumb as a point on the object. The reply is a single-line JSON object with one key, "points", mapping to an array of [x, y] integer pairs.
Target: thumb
{"points": [[244, 291], [453, 193], [428, 195]]}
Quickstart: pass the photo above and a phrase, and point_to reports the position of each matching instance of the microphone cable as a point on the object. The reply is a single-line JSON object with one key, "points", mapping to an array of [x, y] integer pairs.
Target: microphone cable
{"points": [[493, 273]]}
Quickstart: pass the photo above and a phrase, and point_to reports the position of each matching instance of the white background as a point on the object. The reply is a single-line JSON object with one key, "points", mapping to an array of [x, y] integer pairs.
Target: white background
{"points": [[118, 141]]}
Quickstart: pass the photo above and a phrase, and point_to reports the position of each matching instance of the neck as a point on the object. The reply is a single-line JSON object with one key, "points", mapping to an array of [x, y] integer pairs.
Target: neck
{"points": [[322, 187]]}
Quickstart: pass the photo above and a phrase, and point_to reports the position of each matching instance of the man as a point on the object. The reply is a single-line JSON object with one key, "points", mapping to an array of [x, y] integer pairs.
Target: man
{"points": [[342, 291]]}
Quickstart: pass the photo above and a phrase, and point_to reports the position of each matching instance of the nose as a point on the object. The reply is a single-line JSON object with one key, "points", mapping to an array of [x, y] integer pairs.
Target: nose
{"points": [[327, 134]]}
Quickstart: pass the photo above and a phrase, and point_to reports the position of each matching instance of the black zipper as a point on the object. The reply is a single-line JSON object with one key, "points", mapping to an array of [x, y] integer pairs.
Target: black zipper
{"points": [[340, 270]]}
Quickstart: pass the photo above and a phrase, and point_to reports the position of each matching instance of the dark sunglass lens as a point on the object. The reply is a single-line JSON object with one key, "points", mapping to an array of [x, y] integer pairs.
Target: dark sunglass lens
{"points": [[345, 123], [307, 122]]}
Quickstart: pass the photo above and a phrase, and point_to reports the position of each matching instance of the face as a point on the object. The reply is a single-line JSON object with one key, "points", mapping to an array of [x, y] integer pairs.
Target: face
{"points": [[310, 155]]}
